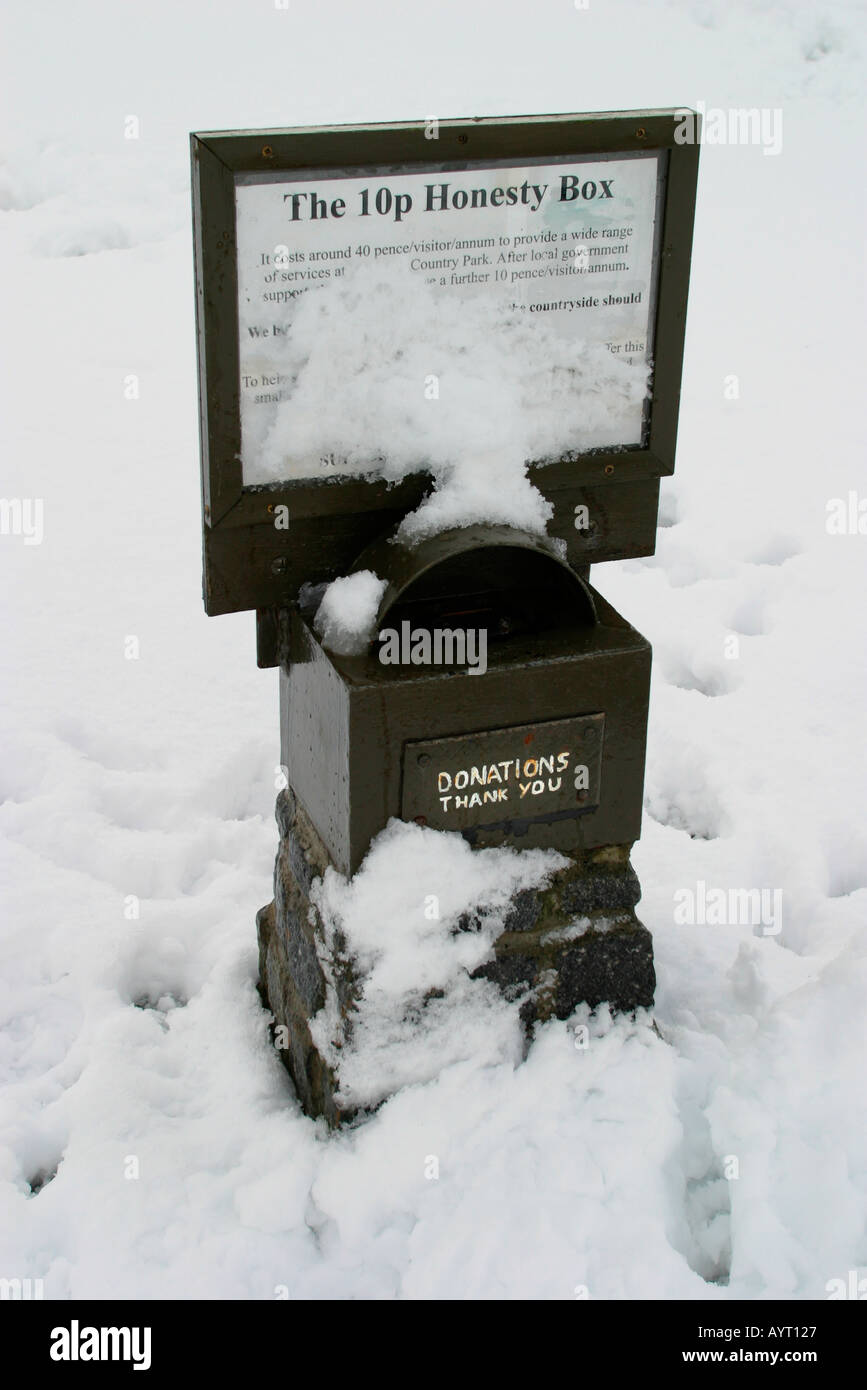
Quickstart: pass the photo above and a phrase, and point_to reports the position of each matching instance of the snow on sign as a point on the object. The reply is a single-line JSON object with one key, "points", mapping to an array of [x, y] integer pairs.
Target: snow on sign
{"points": [[436, 323], [572, 241]]}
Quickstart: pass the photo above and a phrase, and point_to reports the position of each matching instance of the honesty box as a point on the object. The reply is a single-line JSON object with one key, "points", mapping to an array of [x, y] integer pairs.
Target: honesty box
{"points": [[586, 219]]}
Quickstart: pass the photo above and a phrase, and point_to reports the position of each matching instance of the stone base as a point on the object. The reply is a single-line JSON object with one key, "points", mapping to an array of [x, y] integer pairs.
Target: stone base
{"points": [[576, 941]]}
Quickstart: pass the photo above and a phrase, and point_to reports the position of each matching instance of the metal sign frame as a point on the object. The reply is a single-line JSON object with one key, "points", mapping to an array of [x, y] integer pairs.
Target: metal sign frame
{"points": [[248, 562]]}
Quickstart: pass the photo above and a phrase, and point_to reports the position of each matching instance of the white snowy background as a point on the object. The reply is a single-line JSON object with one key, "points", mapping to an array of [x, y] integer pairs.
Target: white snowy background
{"points": [[598, 1169]]}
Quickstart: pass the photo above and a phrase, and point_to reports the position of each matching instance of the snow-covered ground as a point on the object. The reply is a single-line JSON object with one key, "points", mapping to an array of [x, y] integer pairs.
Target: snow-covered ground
{"points": [[724, 1155]]}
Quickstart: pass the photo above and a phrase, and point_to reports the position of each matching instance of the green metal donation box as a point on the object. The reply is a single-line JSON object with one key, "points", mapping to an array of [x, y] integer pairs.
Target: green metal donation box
{"points": [[545, 748]]}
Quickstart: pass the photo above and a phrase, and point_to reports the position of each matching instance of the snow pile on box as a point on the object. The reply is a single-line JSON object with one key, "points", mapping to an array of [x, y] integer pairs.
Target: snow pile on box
{"points": [[346, 616], [412, 953]]}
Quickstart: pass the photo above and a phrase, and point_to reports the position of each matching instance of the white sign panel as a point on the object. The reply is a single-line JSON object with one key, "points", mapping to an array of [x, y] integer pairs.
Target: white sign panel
{"points": [[574, 239]]}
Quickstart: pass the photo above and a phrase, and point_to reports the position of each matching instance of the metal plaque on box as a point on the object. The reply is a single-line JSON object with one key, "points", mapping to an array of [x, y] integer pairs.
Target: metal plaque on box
{"points": [[527, 773]]}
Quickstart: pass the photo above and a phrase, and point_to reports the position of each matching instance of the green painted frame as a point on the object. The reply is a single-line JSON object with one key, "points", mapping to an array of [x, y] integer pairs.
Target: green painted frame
{"points": [[250, 564]]}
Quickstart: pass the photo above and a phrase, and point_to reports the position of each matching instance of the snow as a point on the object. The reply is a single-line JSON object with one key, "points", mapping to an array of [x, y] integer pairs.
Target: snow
{"points": [[144, 784], [346, 616], [458, 386], [419, 1010]]}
